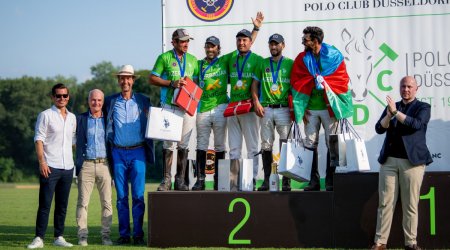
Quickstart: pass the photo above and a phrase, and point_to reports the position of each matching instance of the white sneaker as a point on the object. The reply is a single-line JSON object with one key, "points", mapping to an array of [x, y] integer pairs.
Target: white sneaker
{"points": [[36, 243], [82, 242], [61, 242]]}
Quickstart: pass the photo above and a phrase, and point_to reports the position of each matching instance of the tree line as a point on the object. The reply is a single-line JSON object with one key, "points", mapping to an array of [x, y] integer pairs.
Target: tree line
{"points": [[22, 99]]}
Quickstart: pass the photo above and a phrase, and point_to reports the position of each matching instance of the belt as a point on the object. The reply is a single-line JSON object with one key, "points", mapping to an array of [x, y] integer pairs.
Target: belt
{"points": [[98, 160], [275, 106], [129, 147]]}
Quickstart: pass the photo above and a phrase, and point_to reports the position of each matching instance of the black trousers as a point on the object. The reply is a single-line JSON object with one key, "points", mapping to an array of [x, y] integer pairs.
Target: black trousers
{"points": [[58, 183]]}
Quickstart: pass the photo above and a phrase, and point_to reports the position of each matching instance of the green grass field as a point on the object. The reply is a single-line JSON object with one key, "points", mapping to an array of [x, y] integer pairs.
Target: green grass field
{"points": [[18, 205]]}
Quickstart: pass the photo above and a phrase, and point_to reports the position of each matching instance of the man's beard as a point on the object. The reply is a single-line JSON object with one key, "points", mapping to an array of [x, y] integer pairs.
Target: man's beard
{"points": [[275, 54]]}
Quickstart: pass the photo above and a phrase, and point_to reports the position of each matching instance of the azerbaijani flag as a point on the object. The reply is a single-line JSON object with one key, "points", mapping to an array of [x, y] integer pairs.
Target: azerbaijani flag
{"points": [[338, 94]]}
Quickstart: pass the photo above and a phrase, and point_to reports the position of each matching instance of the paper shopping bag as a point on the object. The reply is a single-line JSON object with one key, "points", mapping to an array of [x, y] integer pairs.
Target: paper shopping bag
{"points": [[164, 124], [338, 155], [357, 158], [295, 161], [235, 175], [246, 175]]}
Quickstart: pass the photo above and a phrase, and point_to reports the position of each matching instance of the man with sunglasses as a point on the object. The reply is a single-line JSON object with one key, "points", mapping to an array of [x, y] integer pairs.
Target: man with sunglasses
{"points": [[319, 73], [169, 72], [54, 137]]}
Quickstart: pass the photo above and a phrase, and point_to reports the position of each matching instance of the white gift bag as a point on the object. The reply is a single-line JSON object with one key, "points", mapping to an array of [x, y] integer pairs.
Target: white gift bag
{"points": [[337, 145], [246, 175], [235, 175], [224, 175], [164, 124], [295, 161], [357, 158]]}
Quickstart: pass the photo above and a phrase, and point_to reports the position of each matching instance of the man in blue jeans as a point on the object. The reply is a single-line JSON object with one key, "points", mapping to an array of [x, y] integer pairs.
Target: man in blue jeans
{"points": [[126, 115]]}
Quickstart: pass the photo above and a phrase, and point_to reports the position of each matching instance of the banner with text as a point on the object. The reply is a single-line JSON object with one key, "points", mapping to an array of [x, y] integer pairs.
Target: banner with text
{"points": [[382, 41]]}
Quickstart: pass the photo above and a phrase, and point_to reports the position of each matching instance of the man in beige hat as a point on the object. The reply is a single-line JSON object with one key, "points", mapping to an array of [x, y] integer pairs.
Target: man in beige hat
{"points": [[126, 120], [170, 72]]}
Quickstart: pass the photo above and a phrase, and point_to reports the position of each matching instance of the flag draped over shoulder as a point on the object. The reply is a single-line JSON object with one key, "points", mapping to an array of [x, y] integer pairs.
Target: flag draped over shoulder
{"points": [[336, 84]]}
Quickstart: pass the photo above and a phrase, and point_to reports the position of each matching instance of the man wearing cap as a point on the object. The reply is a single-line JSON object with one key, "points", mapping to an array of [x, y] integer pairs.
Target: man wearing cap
{"points": [[242, 64], [213, 79], [272, 81], [169, 72], [126, 116], [318, 66], [92, 168]]}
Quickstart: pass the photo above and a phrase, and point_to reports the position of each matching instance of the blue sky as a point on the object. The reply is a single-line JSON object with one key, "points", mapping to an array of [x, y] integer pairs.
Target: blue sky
{"points": [[46, 38]]}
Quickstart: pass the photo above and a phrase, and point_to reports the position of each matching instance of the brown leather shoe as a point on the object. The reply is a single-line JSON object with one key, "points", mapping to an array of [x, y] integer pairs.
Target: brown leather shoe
{"points": [[413, 247], [379, 247]]}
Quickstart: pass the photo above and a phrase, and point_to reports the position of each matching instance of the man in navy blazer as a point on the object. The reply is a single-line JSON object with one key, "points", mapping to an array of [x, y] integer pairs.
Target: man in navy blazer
{"points": [[92, 167], [126, 120], [403, 158]]}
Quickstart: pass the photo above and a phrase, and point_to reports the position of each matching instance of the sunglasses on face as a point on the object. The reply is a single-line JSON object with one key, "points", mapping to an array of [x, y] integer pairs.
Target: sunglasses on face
{"points": [[58, 96]]}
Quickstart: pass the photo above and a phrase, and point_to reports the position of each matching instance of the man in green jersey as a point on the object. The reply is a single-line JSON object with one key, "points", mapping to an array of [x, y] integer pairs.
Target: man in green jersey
{"points": [[242, 64], [213, 79], [169, 72], [270, 89]]}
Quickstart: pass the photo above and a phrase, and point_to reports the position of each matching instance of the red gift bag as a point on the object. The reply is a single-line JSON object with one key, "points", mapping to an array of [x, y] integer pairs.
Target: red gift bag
{"points": [[237, 108], [189, 96]]}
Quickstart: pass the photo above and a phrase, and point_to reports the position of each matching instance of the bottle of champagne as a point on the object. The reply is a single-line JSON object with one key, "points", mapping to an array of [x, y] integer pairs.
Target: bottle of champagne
{"points": [[274, 180]]}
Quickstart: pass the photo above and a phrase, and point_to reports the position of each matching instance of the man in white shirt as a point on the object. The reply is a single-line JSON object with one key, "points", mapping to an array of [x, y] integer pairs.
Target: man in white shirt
{"points": [[54, 137]]}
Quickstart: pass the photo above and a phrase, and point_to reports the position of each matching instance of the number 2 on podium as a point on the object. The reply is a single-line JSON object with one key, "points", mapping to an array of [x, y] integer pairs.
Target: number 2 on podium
{"points": [[231, 239]]}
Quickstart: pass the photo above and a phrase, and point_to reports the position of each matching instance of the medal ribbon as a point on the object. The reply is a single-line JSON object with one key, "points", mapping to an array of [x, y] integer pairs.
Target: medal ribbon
{"points": [[240, 70], [275, 74], [182, 69], [203, 72]]}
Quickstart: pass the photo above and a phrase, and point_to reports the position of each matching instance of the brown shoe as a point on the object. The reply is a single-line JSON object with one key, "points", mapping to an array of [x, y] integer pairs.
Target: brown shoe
{"points": [[413, 247], [379, 246]]}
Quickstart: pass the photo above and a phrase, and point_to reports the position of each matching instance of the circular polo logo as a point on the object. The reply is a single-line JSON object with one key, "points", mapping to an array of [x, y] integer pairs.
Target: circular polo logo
{"points": [[210, 10]]}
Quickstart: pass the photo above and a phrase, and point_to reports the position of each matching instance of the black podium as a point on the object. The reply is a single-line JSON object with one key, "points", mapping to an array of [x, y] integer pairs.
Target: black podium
{"points": [[344, 218]]}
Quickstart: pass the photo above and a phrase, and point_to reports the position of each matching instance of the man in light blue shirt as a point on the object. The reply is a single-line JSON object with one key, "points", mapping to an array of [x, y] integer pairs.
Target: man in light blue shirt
{"points": [[92, 168], [126, 114]]}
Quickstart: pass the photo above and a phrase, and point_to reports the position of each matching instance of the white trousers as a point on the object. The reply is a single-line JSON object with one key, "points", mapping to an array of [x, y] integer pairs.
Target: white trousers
{"points": [[215, 121], [278, 119], [315, 119], [247, 126]]}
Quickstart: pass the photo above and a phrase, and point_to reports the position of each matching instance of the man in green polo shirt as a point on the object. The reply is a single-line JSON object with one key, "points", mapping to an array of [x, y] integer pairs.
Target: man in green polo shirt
{"points": [[270, 89], [169, 72], [213, 79], [242, 64]]}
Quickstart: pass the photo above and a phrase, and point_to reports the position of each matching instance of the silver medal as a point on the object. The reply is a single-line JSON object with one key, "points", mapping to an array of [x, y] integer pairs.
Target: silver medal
{"points": [[274, 87], [202, 84], [239, 83], [320, 79]]}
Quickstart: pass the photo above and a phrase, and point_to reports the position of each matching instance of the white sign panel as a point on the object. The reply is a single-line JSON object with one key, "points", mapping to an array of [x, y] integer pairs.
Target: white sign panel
{"points": [[382, 41]]}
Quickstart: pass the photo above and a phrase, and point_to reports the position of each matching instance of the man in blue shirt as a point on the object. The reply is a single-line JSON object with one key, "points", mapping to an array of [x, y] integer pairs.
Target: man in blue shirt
{"points": [[126, 116], [92, 167]]}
